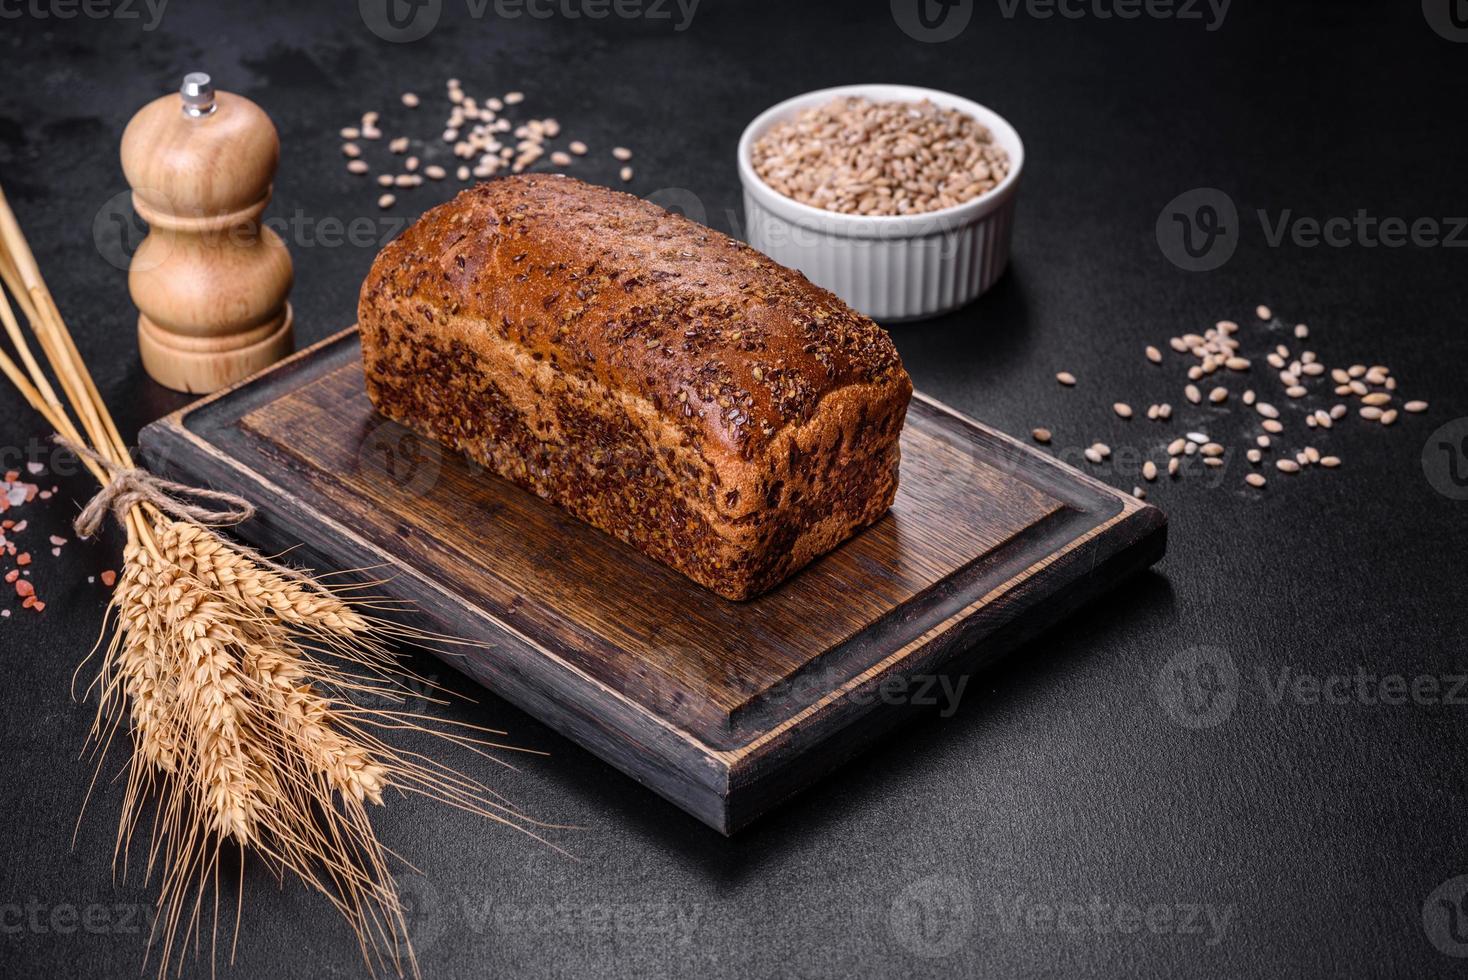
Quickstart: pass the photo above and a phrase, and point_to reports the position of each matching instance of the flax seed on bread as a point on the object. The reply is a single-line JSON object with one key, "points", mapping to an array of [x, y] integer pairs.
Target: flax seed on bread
{"points": [[657, 379]]}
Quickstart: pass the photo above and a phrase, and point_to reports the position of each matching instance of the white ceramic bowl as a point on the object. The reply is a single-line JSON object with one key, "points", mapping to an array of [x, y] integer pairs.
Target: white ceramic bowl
{"points": [[890, 267]]}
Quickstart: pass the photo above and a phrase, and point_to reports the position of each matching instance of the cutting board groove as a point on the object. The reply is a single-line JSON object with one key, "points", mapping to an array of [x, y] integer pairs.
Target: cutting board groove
{"points": [[724, 708]]}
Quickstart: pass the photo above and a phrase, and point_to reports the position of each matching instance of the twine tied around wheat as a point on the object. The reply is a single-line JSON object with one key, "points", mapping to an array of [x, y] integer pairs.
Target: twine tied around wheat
{"points": [[131, 486], [233, 682]]}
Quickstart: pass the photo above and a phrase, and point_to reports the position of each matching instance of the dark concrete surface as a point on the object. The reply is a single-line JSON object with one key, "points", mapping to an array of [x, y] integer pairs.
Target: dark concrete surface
{"points": [[1174, 783]]}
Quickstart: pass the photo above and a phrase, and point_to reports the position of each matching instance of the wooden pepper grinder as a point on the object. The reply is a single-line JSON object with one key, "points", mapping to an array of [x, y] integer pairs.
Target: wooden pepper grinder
{"points": [[209, 281]]}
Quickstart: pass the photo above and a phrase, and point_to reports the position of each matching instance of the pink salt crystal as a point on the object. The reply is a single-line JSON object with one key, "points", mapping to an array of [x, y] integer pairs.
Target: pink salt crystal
{"points": [[20, 526], [36, 469], [55, 552], [57, 540]]}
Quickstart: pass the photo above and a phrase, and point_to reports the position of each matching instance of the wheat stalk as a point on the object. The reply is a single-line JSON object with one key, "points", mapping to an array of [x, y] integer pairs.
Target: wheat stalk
{"points": [[243, 577], [226, 674]]}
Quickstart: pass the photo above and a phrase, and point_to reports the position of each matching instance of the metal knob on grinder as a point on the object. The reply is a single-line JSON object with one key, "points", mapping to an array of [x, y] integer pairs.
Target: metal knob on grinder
{"points": [[197, 93]]}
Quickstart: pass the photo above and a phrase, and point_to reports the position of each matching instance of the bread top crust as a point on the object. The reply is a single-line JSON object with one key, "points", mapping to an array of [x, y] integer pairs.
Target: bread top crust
{"points": [[717, 337]]}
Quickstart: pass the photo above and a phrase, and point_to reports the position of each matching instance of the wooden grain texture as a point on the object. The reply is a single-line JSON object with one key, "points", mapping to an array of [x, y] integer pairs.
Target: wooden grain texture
{"points": [[724, 708]]}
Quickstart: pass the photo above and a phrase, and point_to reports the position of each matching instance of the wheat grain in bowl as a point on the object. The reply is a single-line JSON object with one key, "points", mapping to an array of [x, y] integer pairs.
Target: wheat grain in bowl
{"points": [[855, 155]]}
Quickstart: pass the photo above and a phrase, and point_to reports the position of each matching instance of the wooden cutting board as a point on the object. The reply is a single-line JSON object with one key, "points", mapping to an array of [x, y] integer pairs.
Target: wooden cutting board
{"points": [[724, 708]]}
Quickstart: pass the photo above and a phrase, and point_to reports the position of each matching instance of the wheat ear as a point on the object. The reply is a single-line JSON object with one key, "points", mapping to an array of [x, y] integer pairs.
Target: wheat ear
{"points": [[226, 674]]}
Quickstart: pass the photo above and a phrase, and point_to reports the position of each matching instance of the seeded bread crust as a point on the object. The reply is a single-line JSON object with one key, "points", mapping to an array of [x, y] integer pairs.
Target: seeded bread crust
{"points": [[659, 380]]}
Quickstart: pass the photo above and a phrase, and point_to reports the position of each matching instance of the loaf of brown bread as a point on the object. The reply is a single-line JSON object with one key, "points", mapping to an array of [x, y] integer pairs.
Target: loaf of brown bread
{"points": [[659, 380]]}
